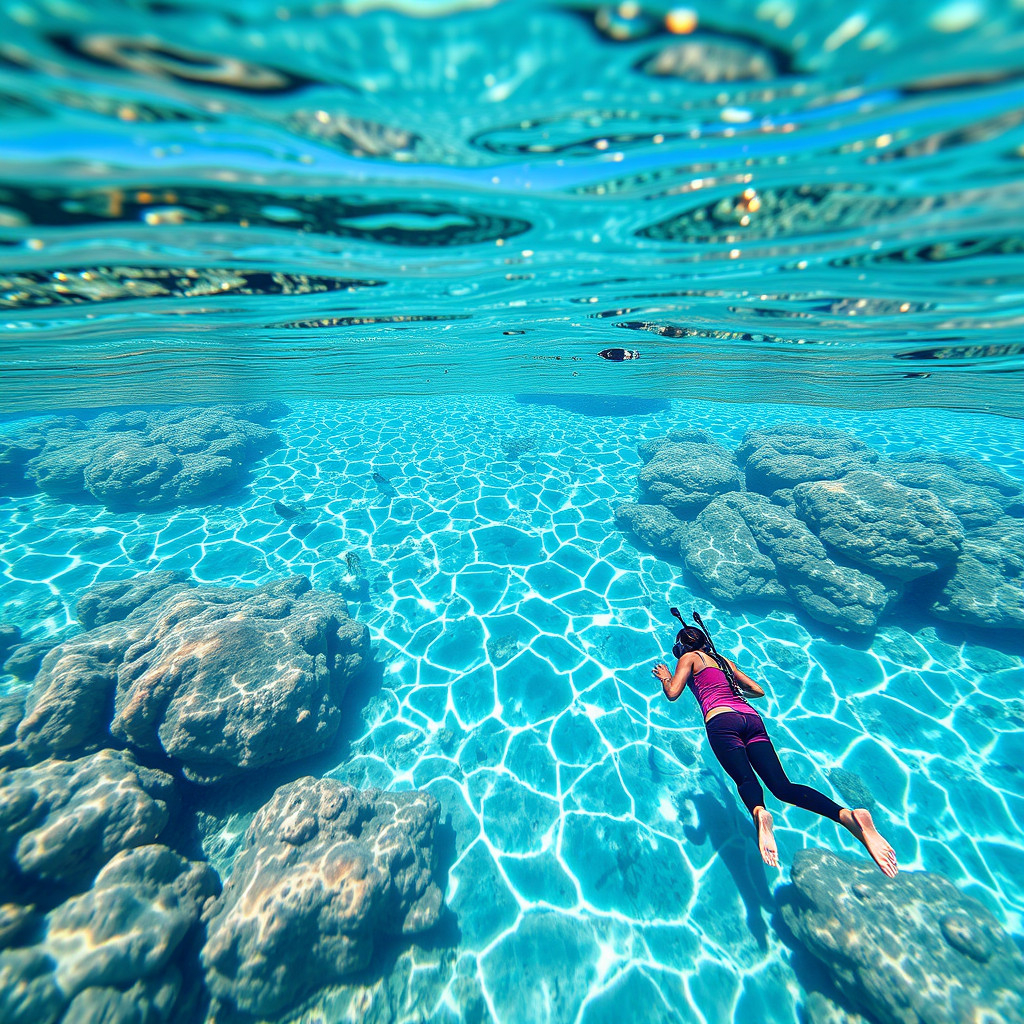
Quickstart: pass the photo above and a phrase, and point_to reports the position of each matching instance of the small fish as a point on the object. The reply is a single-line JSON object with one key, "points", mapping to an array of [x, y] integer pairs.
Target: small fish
{"points": [[286, 511], [383, 484]]}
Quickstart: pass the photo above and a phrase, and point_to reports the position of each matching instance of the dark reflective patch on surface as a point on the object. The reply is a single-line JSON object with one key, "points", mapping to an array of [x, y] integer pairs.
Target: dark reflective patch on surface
{"points": [[355, 135], [779, 212], [34, 289], [965, 352], [940, 252], [410, 222], [366, 320], [147, 55], [675, 331], [717, 58]]}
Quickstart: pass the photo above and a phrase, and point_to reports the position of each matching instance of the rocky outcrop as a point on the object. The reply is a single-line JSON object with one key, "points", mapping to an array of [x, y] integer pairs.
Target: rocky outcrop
{"points": [[685, 475], [654, 526], [722, 553], [324, 873], [141, 460], [817, 519], [107, 954], [12, 709], [60, 821], [116, 600], [649, 448], [17, 448], [221, 680], [897, 531], [791, 453], [24, 661], [228, 680], [986, 586], [906, 949], [68, 708], [977, 493], [10, 640], [839, 596]]}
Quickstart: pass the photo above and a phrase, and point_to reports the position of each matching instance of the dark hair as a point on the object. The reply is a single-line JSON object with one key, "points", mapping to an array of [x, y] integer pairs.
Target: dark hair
{"points": [[690, 638]]}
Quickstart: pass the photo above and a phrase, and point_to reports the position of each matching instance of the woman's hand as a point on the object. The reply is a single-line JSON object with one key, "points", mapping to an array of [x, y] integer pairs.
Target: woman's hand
{"points": [[661, 673]]}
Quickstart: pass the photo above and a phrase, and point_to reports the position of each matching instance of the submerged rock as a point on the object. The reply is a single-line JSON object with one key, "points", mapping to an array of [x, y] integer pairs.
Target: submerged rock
{"points": [[15, 921], [788, 454], [60, 821], [148, 1001], [10, 639], [722, 553], [817, 503], [116, 600], [648, 449], [893, 530], [68, 708], [325, 871], [820, 1009], [12, 710], [141, 460], [17, 448], [224, 680], [106, 955], [842, 597], [129, 923], [24, 661], [654, 526], [986, 586], [979, 494], [221, 680], [685, 477], [906, 949], [28, 988]]}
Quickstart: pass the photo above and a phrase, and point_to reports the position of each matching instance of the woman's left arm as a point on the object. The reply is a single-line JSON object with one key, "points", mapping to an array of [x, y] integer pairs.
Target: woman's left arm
{"points": [[746, 684]]}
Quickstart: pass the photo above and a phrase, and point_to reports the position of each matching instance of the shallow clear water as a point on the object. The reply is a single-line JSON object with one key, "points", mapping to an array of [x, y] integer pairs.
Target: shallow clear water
{"points": [[418, 224]]}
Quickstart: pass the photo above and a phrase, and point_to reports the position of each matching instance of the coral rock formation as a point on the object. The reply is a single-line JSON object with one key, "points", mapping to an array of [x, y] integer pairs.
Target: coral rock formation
{"points": [[221, 680], [140, 460], [324, 873], [906, 949], [62, 820]]}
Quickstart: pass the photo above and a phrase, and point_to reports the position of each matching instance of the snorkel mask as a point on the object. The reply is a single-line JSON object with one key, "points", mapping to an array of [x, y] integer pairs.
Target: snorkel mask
{"points": [[678, 649]]}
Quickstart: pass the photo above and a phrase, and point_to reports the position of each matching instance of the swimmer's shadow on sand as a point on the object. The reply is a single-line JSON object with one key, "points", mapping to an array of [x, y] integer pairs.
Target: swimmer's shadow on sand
{"points": [[732, 837]]}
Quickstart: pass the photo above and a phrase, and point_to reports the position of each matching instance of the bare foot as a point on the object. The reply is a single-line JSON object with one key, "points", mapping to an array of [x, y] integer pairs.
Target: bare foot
{"points": [[766, 837], [861, 826]]}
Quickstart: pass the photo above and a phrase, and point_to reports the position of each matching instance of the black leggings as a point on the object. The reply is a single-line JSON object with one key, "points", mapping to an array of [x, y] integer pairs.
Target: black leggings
{"points": [[741, 744]]}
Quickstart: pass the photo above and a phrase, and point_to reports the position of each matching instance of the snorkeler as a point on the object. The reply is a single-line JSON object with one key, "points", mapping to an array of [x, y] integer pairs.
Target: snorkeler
{"points": [[738, 737], [617, 355]]}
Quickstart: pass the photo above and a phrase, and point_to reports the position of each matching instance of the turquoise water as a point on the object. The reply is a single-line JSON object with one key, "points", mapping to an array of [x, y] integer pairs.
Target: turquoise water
{"points": [[417, 225]]}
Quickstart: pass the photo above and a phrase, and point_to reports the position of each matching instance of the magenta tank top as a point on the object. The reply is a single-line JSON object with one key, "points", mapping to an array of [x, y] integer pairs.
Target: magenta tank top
{"points": [[712, 690]]}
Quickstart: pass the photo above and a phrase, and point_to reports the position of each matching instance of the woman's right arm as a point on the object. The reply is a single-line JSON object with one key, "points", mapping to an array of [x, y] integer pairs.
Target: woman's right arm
{"points": [[674, 683], [746, 683]]}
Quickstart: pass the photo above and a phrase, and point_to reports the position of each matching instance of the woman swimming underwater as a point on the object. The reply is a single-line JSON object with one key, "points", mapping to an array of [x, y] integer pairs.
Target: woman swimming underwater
{"points": [[738, 737]]}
